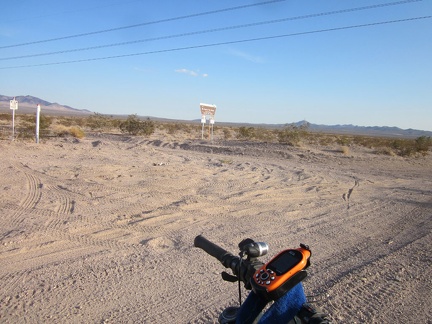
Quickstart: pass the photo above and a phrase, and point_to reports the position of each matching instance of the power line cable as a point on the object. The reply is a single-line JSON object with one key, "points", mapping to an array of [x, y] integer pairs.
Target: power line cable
{"points": [[328, 13], [122, 3], [221, 43], [148, 23]]}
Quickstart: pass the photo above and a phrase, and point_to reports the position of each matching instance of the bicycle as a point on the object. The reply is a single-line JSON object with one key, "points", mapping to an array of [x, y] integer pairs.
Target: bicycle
{"points": [[277, 281]]}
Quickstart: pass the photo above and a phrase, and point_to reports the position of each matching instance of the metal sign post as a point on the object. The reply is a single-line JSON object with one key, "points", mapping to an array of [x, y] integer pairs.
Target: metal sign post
{"points": [[37, 122], [207, 110], [13, 106]]}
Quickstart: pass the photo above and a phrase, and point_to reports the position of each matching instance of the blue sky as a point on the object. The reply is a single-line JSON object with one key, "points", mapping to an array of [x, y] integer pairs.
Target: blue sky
{"points": [[316, 69]]}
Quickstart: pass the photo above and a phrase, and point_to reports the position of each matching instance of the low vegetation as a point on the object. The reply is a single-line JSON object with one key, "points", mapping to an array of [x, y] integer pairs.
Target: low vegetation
{"points": [[290, 134], [134, 126]]}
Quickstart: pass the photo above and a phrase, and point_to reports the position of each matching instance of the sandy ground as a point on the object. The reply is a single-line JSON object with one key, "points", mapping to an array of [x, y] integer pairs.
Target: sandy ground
{"points": [[101, 230]]}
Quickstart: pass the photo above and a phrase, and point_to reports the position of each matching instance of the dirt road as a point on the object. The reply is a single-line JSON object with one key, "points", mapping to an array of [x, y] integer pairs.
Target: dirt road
{"points": [[101, 230]]}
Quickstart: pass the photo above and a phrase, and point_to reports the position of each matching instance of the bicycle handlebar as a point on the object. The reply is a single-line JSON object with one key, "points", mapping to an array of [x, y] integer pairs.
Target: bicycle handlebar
{"points": [[211, 248], [242, 269]]}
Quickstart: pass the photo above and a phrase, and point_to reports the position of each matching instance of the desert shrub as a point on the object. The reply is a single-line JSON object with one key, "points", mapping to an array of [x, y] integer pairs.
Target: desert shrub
{"points": [[189, 128], [115, 123], [65, 121], [343, 140], [385, 151], [263, 134], [323, 139], [60, 130], [345, 150], [173, 128], [24, 134], [44, 122], [27, 118], [402, 147], [99, 122], [227, 133], [134, 126], [71, 121], [5, 117], [370, 141], [27, 126], [293, 134], [246, 133], [77, 132], [423, 143]]}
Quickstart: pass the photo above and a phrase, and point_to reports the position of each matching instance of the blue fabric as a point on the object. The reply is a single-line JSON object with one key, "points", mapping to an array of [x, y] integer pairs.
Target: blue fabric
{"points": [[250, 309], [282, 311]]}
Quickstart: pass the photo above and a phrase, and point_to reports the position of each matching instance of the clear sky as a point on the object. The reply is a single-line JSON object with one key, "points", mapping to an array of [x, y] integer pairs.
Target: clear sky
{"points": [[257, 61]]}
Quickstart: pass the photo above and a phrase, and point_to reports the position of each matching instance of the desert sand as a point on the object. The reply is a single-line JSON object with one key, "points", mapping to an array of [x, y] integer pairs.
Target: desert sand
{"points": [[101, 229]]}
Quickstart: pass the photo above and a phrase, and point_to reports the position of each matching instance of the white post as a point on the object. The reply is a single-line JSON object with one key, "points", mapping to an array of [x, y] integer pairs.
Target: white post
{"points": [[203, 121], [212, 124], [13, 106], [13, 124], [37, 122]]}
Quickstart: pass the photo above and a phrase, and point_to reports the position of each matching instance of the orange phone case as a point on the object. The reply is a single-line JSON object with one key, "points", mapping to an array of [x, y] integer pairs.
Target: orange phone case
{"points": [[270, 280]]}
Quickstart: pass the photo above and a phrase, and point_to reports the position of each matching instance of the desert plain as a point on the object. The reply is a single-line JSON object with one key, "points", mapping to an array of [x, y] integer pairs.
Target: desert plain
{"points": [[101, 229]]}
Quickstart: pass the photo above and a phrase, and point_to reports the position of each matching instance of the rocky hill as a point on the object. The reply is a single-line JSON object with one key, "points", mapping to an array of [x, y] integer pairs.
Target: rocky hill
{"points": [[28, 104]]}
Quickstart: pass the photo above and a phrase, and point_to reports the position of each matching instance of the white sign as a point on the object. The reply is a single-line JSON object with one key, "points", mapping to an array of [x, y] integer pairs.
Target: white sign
{"points": [[207, 109], [14, 104]]}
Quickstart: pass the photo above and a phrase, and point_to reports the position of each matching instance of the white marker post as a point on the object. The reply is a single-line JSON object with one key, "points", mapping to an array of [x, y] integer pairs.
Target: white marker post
{"points": [[37, 122], [13, 106], [203, 121], [207, 110], [211, 124]]}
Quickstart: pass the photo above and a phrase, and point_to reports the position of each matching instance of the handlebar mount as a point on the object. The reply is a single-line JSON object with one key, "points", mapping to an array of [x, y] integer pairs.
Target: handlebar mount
{"points": [[243, 266]]}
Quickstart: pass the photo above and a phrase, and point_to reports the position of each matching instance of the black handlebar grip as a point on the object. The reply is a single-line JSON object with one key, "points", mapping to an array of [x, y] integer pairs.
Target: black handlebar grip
{"points": [[211, 248]]}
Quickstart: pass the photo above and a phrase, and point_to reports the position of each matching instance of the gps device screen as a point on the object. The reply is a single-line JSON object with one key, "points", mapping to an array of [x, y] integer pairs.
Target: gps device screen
{"points": [[285, 262]]}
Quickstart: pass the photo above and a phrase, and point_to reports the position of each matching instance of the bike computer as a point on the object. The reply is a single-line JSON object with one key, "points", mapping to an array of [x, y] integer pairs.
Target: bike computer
{"points": [[281, 273]]}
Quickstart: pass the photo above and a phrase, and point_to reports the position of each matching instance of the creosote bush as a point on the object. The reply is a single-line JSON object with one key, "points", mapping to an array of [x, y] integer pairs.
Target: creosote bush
{"points": [[5, 117], [99, 122], [292, 134], [134, 126], [246, 133], [423, 143]]}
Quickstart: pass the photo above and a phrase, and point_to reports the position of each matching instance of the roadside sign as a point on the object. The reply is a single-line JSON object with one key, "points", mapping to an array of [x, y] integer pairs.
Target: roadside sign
{"points": [[207, 110], [14, 104]]}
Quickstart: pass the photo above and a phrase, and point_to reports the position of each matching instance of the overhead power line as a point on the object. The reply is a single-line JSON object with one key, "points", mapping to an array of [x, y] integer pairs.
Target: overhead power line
{"points": [[20, 18], [328, 13], [221, 43], [178, 18], [149, 23]]}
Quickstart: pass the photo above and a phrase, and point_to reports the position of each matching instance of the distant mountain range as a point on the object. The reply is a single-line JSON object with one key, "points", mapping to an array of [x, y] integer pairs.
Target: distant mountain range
{"points": [[370, 130], [27, 104]]}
